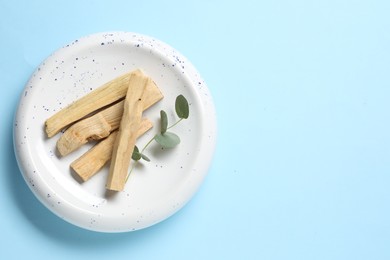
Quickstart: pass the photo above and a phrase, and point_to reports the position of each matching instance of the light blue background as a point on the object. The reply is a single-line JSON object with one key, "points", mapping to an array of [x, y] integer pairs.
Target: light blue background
{"points": [[301, 88]]}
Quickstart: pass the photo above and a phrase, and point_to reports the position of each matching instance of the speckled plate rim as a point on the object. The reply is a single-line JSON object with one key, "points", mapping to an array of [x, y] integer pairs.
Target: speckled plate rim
{"points": [[76, 214]]}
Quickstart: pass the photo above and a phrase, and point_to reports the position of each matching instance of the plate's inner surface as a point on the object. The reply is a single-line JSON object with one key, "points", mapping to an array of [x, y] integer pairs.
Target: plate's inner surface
{"points": [[75, 71]]}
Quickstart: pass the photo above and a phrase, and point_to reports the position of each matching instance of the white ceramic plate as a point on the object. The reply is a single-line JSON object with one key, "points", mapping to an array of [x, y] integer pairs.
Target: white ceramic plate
{"points": [[156, 189]]}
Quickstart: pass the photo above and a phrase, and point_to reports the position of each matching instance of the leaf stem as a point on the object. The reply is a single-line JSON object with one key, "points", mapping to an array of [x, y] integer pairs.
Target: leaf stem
{"points": [[147, 144], [136, 162], [178, 121], [131, 170]]}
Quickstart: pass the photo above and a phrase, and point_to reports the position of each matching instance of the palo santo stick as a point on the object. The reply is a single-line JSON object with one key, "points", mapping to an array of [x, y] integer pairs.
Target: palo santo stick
{"points": [[109, 93], [101, 124], [95, 127], [125, 141], [94, 159], [100, 97]]}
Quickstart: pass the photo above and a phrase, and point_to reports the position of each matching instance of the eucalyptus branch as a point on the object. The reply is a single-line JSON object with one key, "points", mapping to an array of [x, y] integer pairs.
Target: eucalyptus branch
{"points": [[164, 138]]}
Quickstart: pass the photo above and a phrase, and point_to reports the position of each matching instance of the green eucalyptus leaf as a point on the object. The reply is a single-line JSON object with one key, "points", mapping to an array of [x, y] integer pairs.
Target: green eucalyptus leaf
{"points": [[181, 106], [136, 154], [145, 157], [167, 140], [164, 121]]}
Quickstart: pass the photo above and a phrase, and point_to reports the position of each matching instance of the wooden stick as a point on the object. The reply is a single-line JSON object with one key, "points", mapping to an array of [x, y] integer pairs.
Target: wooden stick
{"points": [[125, 141], [95, 158], [101, 124], [95, 128], [107, 94], [92, 128]]}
